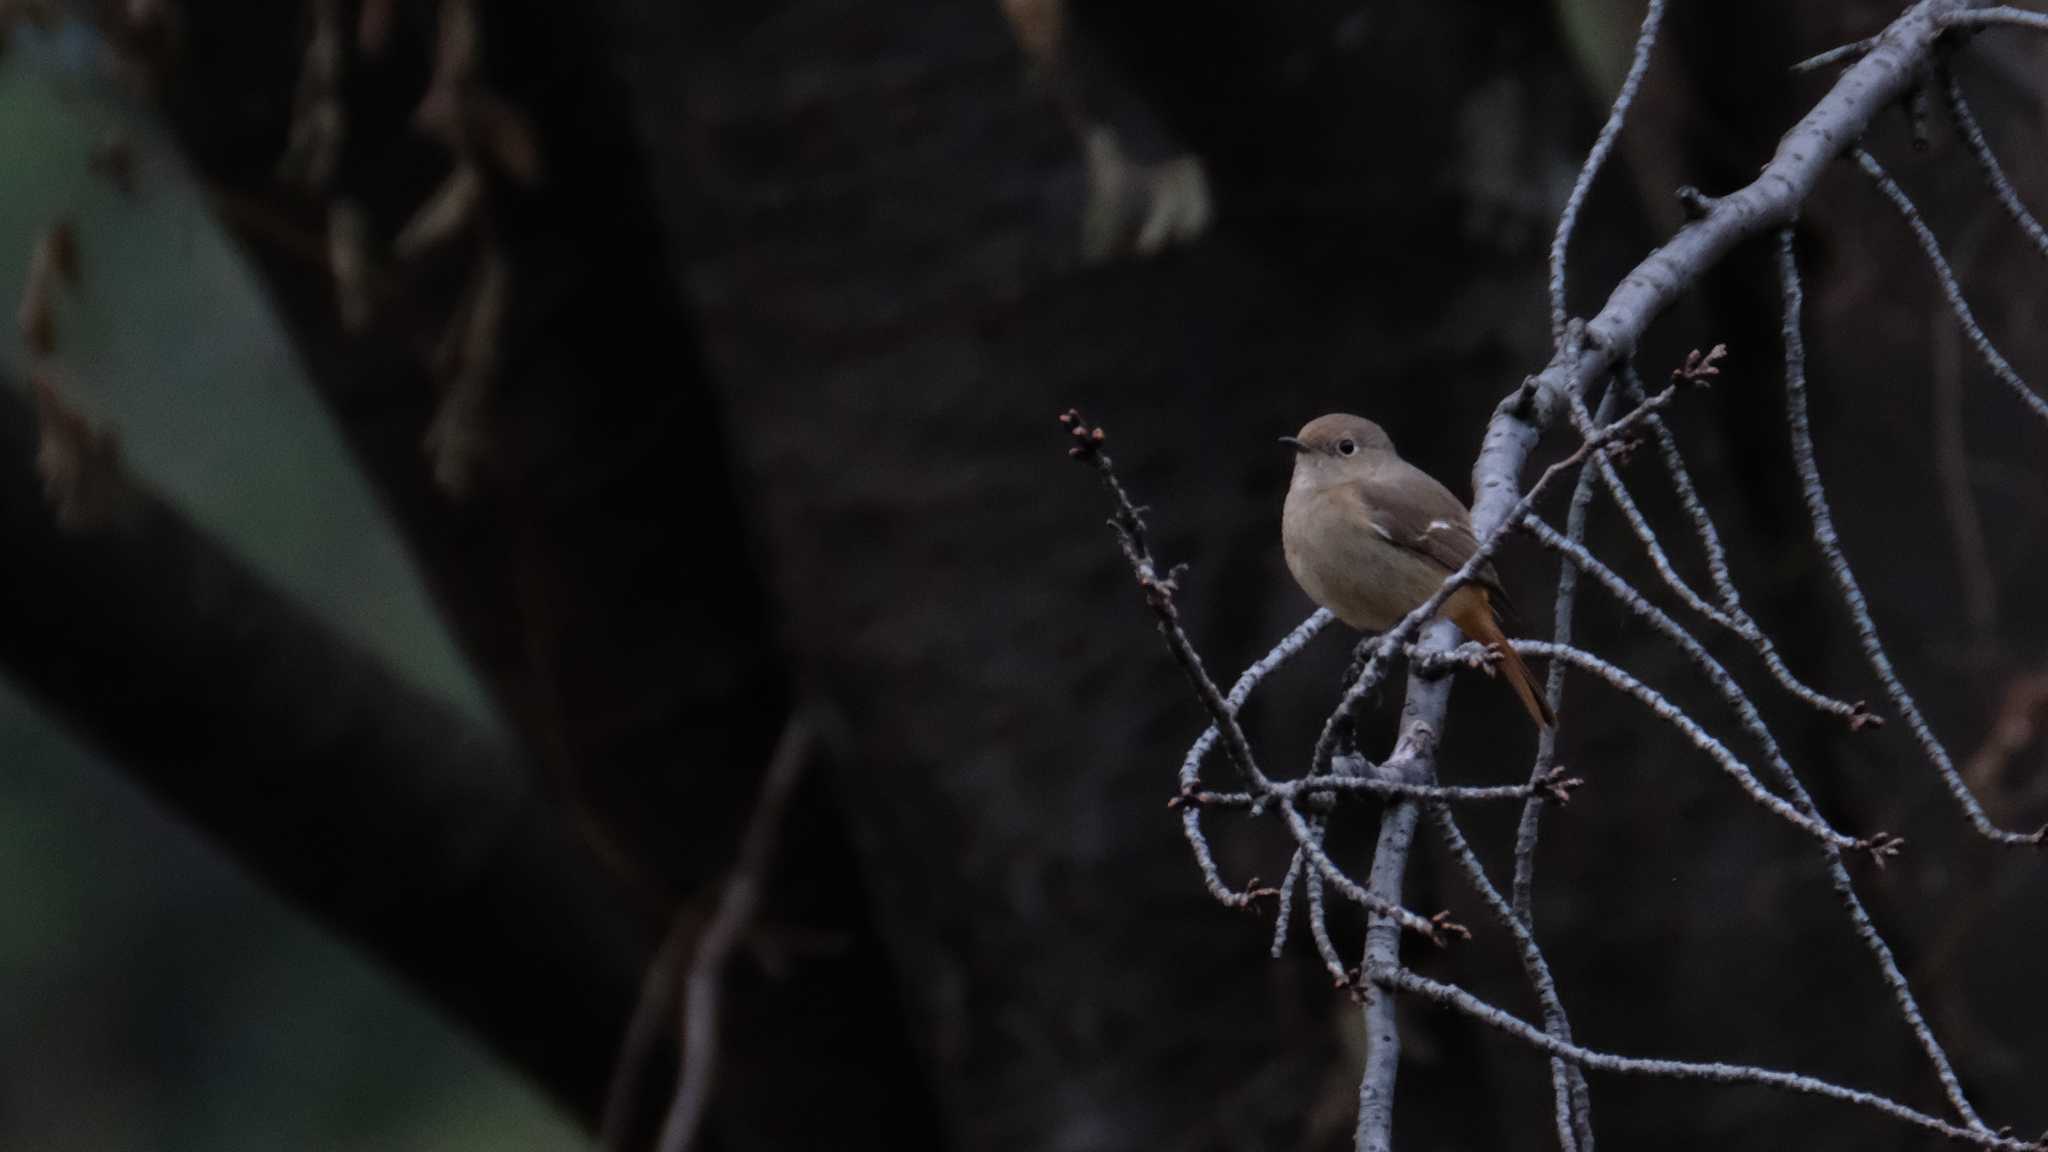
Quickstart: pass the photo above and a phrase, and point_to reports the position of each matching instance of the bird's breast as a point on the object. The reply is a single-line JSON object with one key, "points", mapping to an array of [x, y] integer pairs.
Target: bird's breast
{"points": [[1346, 565]]}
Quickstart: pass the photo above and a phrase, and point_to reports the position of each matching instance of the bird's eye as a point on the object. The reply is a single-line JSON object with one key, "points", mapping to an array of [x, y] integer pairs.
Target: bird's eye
{"points": [[1346, 446]]}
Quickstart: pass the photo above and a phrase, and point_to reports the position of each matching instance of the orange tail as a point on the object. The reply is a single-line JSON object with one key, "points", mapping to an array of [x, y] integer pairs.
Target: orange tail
{"points": [[1472, 612]]}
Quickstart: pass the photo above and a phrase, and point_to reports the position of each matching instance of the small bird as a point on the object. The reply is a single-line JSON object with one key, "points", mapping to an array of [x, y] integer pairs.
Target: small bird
{"points": [[1370, 537]]}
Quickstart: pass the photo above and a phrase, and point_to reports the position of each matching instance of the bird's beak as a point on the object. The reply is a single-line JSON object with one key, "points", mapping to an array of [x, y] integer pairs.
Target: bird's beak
{"points": [[1294, 442]]}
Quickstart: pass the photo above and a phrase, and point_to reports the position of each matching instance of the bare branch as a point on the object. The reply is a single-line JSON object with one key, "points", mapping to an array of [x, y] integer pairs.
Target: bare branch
{"points": [[1994, 172], [1610, 478], [1950, 288], [1527, 830], [1375, 1132], [1529, 827], [1371, 899], [1596, 158], [1572, 1105], [1743, 624], [1872, 84], [644, 1030], [1879, 846], [1191, 766], [1554, 786], [1866, 629], [2001, 16], [1159, 590], [1285, 650], [1205, 859], [1319, 927], [1730, 764], [703, 988], [1462, 1001], [1830, 544], [1296, 871], [1835, 55], [1876, 81]]}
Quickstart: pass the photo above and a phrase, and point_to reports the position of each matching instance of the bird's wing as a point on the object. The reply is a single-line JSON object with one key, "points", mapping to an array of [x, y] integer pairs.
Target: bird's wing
{"points": [[1410, 510]]}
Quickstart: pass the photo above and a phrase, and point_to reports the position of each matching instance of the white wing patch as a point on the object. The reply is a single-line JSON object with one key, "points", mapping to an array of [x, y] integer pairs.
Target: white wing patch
{"points": [[1438, 526], [1383, 533]]}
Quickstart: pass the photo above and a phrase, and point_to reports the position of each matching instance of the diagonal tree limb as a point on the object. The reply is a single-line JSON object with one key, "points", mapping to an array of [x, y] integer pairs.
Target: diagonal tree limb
{"points": [[376, 806]]}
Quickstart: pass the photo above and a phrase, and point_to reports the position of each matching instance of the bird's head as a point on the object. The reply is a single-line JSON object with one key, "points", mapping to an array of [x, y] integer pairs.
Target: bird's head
{"points": [[1336, 445]]}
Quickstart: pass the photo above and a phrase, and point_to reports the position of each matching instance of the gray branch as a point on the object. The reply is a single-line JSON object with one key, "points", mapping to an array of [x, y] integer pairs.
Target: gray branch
{"points": [[2005, 15], [1744, 624], [1859, 917], [1872, 84], [1596, 158], [1994, 172], [1951, 288], [1571, 1102], [1382, 1030], [1830, 543], [1459, 1000]]}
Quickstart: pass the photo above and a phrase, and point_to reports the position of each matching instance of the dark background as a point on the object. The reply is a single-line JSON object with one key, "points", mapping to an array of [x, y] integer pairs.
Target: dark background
{"points": [[793, 300]]}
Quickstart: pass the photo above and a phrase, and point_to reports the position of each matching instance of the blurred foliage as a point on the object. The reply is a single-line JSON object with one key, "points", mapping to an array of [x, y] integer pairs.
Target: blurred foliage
{"points": [[151, 996], [168, 339]]}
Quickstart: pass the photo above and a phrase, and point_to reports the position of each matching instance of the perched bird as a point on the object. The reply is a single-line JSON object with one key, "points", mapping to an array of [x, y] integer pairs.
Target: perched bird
{"points": [[1370, 537]]}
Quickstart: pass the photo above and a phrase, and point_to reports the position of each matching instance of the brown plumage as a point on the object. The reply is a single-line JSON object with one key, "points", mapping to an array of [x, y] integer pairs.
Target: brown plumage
{"points": [[1370, 537]]}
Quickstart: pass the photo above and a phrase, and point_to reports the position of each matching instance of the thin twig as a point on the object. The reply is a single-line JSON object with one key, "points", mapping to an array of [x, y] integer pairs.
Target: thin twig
{"points": [[1437, 929], [1835, 55], [1571, 1104], [1879, 846], [1610, 478], [650, 1013], [1994, 172], [1596, 158], [1745, 625], [1160, 589], [1319, 928], [2003, 15], [1191, 765], [1553, 786], [1696, 735], [1296, 875], [1449, 996], [1528, 828], [1562, 612], [1830, 544], [702, 989], [1950, 287], [1866, 629], [1289, 645]]}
